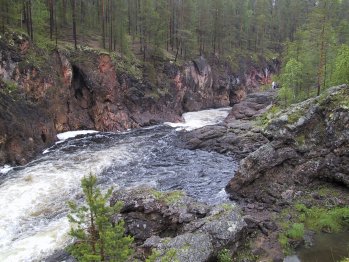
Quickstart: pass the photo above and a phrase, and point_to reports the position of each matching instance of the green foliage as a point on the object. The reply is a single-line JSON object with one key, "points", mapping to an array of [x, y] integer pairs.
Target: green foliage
{"points": [[284, 242], [316, 218], [169, 256], [168, 197], [294, 116], [328, 220], [97, 238], [290, 81], [264, 119], [8, 87], [127, 64], [224, 255], [296, 231], [341, 72]]}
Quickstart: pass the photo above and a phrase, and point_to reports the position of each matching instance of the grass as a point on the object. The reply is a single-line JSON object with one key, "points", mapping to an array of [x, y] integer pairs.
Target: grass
{"points": [[168, 197], [296, 231], [317, 216], [327, 220], [224, 255], [318, 219]]}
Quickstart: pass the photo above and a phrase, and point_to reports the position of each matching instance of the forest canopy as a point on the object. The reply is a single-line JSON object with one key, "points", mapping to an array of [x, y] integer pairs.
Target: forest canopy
{"points": [[310, 36]]}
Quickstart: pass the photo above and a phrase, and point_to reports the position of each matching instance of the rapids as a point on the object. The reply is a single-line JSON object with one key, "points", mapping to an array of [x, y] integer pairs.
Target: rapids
{"points": [[34, 197]]}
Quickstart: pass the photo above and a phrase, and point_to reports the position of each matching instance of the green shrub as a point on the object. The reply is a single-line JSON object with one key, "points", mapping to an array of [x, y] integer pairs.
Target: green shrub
{"points": [[224, 255], [296, 231], [97, 239]]}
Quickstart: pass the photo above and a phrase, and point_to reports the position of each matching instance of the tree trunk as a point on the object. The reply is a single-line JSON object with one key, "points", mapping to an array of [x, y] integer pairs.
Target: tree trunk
{"points": [[51, 19], [103, 24], [64, 14], [74, 23], [322, 54], [111, 26], [30, 20], [55, 22]]}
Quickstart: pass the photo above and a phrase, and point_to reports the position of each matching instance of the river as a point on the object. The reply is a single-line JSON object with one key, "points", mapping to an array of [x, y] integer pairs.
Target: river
{"points": [[33, 198]]}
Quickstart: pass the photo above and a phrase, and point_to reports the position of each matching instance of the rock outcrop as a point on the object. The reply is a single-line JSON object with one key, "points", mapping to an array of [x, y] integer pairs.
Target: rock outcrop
{"points": [[308, 142], [171, 222], [239, 135]]}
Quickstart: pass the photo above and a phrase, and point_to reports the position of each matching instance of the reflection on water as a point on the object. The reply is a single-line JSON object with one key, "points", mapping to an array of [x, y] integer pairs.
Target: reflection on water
{"points": [[326, 248]]}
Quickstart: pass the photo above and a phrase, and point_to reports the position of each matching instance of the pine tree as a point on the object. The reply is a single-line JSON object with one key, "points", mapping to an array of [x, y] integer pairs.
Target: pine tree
{"points": [[341, 73], [98, 239], [290, 80]]}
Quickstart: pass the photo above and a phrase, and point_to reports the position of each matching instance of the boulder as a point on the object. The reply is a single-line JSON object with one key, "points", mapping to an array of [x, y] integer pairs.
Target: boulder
{"points": [[239, 135], [171, 222]]}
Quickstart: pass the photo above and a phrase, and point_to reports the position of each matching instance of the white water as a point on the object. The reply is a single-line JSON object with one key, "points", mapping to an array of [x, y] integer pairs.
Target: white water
{"points": [[5, 169], [33, 199], [71, 134], [41, 190], [195, 120]]}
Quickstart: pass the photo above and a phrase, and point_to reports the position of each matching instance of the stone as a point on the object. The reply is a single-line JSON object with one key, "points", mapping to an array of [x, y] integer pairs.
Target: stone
{"points": [[196, 231], [189, 247], [299, 152]]}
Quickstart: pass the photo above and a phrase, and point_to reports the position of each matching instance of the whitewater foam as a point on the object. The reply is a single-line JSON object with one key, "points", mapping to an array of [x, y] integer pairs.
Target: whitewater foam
{"points": [[195, 120]]}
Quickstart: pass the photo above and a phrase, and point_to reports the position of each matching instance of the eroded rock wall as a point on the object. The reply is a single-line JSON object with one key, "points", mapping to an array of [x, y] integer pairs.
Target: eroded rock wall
{"points": [[308, 142]]}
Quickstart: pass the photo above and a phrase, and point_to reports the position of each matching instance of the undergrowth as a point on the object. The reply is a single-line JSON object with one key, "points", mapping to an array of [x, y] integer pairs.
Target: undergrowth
{"points": [[318, 219]]}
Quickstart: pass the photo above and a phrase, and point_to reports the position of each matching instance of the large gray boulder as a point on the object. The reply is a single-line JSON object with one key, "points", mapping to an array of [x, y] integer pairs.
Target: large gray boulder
{"points": [[171, 222]]}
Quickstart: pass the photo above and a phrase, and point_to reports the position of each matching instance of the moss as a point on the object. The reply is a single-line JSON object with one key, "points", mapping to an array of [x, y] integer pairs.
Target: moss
{"points": [[264, 119], [169, 255], [295, 116], [334, 100], [168, 197], [300, 139], [227, 207], [8, 87], [224, 255]]}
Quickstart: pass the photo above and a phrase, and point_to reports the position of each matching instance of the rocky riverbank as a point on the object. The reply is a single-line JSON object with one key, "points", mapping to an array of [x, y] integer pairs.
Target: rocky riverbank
{"points": [[291, 159]]}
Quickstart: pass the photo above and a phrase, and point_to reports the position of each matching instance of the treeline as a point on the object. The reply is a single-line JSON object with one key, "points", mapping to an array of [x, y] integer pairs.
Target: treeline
{"points": [[308, 33], [317, 56], [183, 27]]}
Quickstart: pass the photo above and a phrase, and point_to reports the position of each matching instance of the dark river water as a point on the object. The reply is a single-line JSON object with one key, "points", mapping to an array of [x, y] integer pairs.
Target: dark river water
{"points": [[33, 198]]}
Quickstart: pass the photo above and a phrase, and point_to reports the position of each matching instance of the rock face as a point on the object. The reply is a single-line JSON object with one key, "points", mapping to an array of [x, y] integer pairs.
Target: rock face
{"points": [[239, 135], [85, 89], [309, 141], [174, 223], [254, 104]]}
